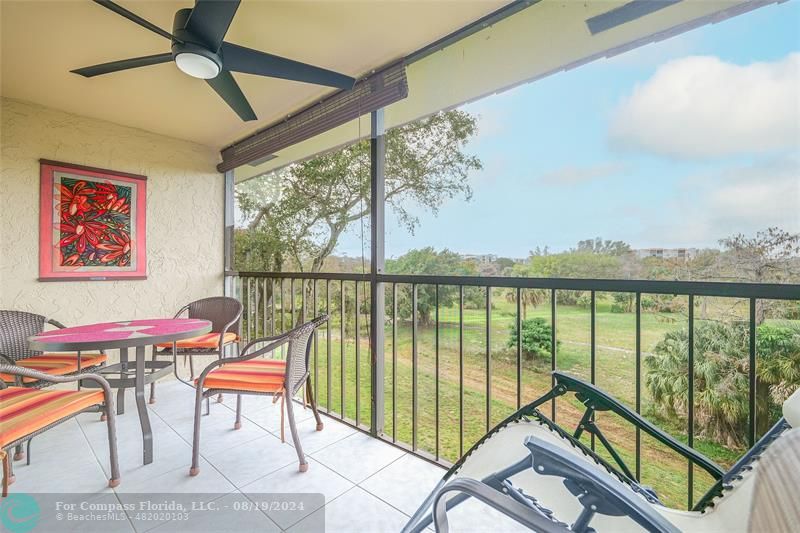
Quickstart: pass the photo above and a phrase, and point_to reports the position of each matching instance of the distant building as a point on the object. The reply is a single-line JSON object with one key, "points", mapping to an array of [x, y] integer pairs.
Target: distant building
{"points": [[681, 254], [480, 258]]}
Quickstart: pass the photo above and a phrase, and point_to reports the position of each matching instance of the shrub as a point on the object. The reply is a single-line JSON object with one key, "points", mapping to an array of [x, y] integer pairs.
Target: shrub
{"points": [[536, 338], [721, 370]]}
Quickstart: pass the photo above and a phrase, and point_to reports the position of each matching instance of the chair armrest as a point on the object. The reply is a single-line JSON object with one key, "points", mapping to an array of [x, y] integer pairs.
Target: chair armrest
{"points": [[222, 333], [181, 311], [55, 323], [598, 492], [526, 516], [30, 373], [274, 343], [588, 393], [6, 360]]}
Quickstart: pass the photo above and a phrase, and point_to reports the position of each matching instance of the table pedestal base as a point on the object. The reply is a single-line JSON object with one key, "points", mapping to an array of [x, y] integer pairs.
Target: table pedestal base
{"points": [[135, 376]]}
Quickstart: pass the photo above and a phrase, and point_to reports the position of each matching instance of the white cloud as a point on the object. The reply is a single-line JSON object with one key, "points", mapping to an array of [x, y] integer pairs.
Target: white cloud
{"points": [[701, 107], [573, 175], [735, 200]]}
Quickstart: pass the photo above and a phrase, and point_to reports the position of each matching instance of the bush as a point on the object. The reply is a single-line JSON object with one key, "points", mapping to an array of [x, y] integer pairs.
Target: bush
{"points": [[721, 361], [662, 303], [536, 338]]}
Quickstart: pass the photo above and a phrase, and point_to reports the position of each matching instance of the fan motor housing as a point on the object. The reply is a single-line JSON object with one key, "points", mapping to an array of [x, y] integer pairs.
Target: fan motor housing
{"points": [[191, 44]]}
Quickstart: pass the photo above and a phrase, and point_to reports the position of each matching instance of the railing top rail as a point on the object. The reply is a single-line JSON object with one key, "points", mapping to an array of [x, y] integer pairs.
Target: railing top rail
{"points": [[769, 291], [301, 275]]}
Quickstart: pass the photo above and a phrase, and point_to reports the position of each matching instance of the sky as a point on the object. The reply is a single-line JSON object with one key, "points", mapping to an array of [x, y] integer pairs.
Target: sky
{"points": [[675, 144]]}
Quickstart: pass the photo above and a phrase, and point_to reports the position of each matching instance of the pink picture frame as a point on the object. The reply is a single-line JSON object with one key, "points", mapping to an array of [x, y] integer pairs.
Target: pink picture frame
{"points": [[92, 223]]}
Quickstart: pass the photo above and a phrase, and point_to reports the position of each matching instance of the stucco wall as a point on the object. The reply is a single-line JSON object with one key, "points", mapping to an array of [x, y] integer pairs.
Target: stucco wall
{"points": [[184, 216]]}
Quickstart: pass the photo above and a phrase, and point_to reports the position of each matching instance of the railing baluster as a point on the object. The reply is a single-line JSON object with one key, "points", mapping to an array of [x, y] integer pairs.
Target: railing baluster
{"points": [[394, 362], [292, 321], [638, 383], [593, 348], [328, 352], [519, 347], [249, 303], [436, 373], [273, 319], [553, 349], [488, 358], [316, 342], [751, 433], [414, 367], [264, 302], [690, 429], [256, 314], [342, 348], [283, 307], [358, 355], [460, 370]]}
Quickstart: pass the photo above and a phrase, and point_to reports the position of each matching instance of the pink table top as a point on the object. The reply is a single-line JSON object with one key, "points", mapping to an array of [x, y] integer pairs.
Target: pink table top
{"points": [[122, 334]]}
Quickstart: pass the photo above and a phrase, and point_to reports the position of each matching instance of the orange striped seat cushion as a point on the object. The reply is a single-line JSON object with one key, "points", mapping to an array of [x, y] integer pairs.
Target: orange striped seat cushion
{"points": [[56, 364], [24, 410], [256, 375], [209, 340]]}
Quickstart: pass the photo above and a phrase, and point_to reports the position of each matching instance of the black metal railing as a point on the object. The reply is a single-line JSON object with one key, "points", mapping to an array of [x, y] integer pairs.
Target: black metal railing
{"points": [[273, 302]]}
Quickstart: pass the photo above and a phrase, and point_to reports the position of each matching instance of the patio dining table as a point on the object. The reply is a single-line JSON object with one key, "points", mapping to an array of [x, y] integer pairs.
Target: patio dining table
{"points": [[121, 336]]}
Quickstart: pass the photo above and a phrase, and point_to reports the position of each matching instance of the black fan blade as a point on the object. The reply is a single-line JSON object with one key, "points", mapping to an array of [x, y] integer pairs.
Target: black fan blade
{"points": [[123, 64], [229, 90], [210, 20], [240, 59], [133, 17]]}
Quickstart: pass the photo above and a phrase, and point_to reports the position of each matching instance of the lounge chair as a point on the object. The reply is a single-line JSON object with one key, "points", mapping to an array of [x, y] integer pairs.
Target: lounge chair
{"points": [[26, 412], [247, 374], [543, 477]]}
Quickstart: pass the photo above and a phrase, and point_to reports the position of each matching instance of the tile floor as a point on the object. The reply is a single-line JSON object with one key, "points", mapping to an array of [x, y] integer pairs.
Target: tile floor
{"points": [[368, 485]]}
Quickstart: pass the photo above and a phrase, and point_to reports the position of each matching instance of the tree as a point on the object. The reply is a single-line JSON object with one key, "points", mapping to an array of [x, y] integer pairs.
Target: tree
{"points": [[599, 246], [532, 297], [772, 256], [320, 198], [721, 376], [428, 261]]}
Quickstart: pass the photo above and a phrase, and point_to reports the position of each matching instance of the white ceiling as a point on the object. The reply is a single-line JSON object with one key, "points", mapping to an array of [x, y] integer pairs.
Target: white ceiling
{"points": [[42, 41]]}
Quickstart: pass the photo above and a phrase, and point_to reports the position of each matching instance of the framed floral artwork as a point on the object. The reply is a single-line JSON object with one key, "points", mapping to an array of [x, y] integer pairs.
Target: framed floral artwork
{"points": [[91, 223]]}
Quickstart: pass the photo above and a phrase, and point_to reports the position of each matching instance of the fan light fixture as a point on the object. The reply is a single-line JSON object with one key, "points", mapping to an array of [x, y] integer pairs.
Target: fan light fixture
{"points": [[197, 66], [198, 47]]}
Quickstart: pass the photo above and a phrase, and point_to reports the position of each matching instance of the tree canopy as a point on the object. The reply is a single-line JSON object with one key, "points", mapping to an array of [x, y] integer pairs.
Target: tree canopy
{"points": [[428, 261], [299, 214]]}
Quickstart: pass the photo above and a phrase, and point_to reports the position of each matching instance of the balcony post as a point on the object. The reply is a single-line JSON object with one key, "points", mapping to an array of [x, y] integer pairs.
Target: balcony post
{"points": [[228, 222], [377, 154]]}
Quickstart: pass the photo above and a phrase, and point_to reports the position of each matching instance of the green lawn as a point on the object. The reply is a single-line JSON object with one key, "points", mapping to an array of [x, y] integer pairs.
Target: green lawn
{"points": [[615, 371]]}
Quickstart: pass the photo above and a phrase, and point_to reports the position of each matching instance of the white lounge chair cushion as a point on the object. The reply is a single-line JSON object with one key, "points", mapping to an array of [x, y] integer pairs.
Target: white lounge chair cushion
{"points": [[791, 409], [776, 507]]}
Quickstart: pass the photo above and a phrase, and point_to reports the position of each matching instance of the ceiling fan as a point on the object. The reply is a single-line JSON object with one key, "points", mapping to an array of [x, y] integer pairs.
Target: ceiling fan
{"points": [[199, 50]]}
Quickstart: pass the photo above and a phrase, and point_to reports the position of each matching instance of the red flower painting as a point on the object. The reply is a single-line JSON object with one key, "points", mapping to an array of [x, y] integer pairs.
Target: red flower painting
{"points": [[97, 221]]}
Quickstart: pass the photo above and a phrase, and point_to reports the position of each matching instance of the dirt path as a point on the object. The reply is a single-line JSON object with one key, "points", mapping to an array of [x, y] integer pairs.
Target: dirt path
{"points": [[609, 348]]}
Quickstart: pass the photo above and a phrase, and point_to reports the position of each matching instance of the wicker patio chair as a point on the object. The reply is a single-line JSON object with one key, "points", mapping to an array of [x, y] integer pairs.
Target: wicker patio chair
{"points": [[15, 328], [246, 374], [225, 315], [26, 412]]}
